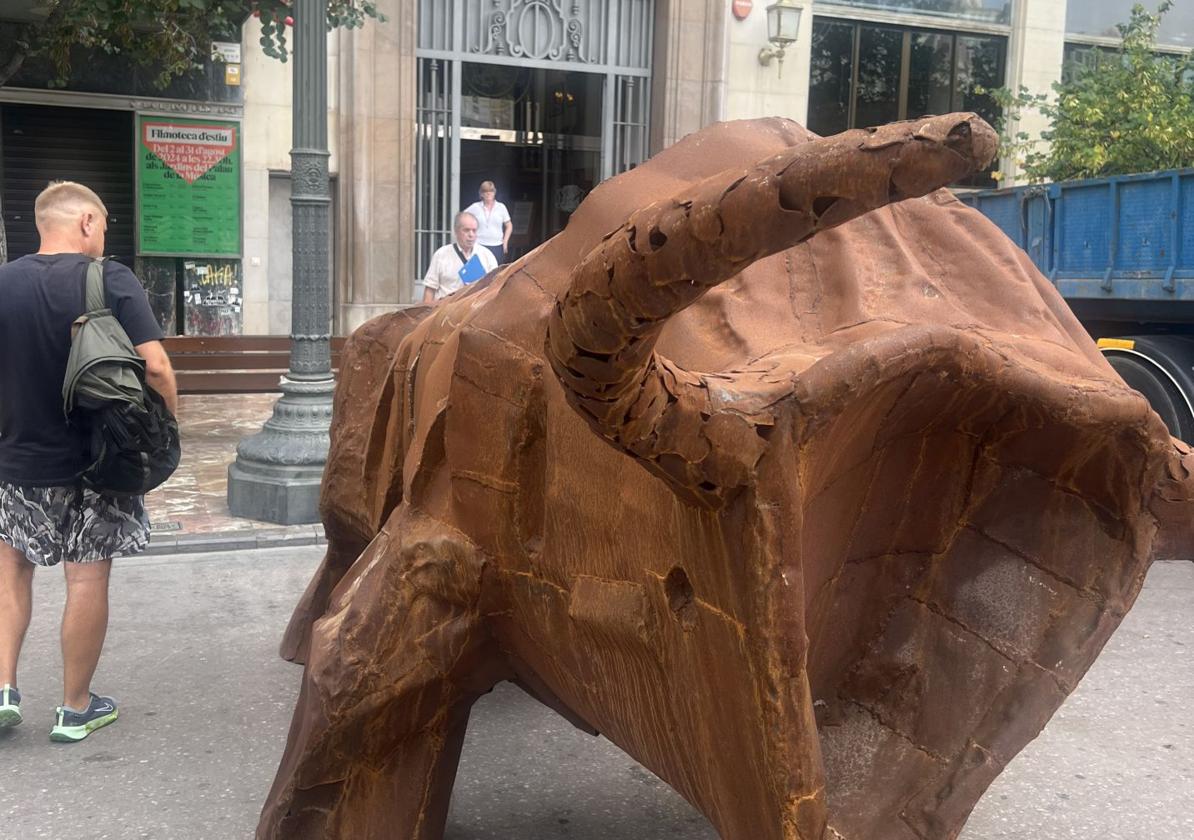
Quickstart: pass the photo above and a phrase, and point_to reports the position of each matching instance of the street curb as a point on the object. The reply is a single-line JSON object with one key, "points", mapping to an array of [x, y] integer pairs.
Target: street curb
{"points": [[165, 544]]}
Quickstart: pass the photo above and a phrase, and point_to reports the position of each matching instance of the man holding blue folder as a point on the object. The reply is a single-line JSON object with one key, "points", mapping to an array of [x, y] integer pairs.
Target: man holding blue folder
{"points": [[459, 263]]}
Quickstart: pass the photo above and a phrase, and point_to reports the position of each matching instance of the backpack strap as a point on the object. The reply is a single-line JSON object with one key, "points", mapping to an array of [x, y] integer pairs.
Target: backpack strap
{"points": [[95, 287]]}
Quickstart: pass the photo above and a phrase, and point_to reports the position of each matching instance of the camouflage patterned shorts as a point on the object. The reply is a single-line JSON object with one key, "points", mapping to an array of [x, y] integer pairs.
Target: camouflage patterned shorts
{"points": [[51, 524]]}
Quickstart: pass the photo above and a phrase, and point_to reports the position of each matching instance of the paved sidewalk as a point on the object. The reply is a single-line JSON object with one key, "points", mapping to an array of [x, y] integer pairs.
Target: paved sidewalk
{"points": [[206, 704], [191, 656], [189, 513]]}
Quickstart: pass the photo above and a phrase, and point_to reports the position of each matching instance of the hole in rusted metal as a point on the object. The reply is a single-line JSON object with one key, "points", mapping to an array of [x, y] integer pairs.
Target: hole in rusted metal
{"points": [[680, 596], [823, 204]]}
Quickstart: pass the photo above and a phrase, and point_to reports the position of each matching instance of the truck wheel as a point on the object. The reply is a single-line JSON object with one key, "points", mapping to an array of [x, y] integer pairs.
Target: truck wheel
{"points": [[1156, 387]]}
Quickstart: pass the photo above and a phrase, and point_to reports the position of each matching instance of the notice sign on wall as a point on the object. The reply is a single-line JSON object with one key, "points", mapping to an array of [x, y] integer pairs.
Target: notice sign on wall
{"points": [[189, 201]]}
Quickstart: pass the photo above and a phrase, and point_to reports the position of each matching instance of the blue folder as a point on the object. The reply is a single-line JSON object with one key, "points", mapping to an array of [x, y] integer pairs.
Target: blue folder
{"points": [[471, 271]]}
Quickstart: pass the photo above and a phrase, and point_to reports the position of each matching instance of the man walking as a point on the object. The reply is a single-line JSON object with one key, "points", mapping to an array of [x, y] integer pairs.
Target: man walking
{"points": [[443, 275], [46, 515]]}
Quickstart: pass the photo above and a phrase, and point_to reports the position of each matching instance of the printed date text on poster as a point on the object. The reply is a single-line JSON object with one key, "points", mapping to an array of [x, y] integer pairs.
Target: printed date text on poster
{"points": [[189, 202]]}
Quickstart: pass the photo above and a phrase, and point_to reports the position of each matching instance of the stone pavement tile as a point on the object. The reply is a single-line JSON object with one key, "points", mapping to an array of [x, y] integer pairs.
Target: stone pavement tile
{"points": [[296, 536], [193, 504], [300, 536], [214, 542]]}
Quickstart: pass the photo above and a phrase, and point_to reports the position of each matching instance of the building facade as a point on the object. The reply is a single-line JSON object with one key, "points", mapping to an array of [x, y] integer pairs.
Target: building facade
{"points": [[544, 97], [148, 152]]}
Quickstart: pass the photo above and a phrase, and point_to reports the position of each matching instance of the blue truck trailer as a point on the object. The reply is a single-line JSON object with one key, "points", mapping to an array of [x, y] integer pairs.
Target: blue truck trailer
{"points": [[1121, 252]]}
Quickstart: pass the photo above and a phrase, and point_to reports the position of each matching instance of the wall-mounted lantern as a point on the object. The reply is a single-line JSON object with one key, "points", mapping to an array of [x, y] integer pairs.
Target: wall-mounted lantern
{"points": [[783, 25]]}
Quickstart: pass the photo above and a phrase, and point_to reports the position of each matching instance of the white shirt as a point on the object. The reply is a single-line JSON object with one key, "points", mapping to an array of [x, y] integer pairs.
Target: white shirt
{"points": [[443, 275], [490, 223]]}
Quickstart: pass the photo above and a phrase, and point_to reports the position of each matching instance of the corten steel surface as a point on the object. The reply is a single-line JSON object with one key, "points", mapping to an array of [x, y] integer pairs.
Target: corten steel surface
{"points": [[820, 529]]}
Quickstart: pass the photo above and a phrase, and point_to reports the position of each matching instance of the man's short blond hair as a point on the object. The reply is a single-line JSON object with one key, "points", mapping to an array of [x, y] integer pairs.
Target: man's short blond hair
{"points": [[65, 201], [488, 186]]}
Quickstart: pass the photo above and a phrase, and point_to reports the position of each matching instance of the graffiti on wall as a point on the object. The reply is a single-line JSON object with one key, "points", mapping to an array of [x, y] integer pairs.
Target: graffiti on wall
{"points": [[158, 276], [212, 297]]}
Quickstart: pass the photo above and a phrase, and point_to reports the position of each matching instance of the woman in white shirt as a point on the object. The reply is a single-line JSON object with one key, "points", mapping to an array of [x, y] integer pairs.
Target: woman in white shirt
{"points": [[493, 221]]}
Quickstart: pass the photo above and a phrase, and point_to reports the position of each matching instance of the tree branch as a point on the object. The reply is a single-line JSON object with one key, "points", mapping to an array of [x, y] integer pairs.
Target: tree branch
{"points": [[19, 42], [11, 66]]}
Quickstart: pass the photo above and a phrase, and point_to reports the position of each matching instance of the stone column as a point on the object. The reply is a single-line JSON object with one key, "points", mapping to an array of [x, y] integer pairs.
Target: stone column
{"points": [[756, 90], [377, 166], [278, 471], [1035, 52], [689, 70]]}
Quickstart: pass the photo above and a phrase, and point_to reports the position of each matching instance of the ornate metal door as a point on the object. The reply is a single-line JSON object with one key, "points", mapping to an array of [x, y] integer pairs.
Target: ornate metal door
{"points": [[433, 160], [610, 38]]}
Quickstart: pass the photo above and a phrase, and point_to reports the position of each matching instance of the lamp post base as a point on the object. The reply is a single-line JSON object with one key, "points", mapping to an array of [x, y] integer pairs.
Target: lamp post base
{"points": [[280, 495], [278, 471]]}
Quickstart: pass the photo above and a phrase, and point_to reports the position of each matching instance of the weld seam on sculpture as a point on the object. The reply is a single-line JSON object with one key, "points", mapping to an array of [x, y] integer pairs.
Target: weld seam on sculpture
{"points": [[1083, 591], [936, 609], [895, 730]]}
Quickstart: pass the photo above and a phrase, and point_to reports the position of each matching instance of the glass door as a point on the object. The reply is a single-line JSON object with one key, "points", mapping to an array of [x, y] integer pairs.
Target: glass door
{"points": [[537, 134]]}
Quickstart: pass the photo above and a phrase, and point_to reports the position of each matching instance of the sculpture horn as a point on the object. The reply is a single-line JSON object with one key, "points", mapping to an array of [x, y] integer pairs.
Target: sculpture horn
{"points": [[602, 333]]}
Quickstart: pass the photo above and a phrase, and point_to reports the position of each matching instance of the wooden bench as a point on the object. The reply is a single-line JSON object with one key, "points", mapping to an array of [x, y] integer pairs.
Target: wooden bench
{"points": [[233, 364]]}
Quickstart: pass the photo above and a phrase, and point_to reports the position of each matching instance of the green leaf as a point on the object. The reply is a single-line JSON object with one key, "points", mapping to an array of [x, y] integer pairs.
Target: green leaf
{"points": [[172, 37], [1127, 111]]}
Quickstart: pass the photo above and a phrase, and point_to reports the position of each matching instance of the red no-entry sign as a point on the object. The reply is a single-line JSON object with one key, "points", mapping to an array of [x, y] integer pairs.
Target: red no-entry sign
{"points": [[742, 8]]}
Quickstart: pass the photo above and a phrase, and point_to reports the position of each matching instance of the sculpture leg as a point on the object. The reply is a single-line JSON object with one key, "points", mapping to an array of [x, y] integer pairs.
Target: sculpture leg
{"points": [[358, 492], [296, 642], [394, 667]]}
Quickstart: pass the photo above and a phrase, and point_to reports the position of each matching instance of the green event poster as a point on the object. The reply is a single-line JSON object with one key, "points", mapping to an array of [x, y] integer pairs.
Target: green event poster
{"points": [[189, 201]]}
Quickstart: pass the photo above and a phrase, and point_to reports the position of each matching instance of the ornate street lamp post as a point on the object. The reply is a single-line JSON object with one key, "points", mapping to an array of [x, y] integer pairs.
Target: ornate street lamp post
{"points": [[277, 471]]}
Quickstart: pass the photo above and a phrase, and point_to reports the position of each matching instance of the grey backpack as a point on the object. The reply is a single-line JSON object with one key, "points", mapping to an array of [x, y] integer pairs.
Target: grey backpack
{"points": [[134, 443]]}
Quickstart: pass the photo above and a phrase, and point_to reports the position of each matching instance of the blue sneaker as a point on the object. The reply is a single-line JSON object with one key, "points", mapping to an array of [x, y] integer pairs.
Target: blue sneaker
{"points": [[75, 726], [10, 706]]}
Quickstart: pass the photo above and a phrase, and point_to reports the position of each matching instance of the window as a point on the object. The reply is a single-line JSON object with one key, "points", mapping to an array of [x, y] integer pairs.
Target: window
{"points": [[864, 74], [831, 77], [995, 11], [930, 74], [877, 91], [980, 64], [1080, 56], [1099, 17]]}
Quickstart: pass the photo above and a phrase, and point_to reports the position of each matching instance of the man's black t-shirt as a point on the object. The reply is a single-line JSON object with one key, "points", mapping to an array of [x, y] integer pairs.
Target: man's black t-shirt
{"points": [[40, 297]]}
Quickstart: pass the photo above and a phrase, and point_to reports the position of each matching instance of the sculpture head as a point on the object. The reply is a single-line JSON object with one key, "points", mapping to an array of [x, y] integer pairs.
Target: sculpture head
{"points": [[602, 333]]}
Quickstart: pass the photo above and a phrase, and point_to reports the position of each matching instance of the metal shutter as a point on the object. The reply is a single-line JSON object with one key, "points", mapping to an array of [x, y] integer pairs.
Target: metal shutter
{"points": [[39, 144]]}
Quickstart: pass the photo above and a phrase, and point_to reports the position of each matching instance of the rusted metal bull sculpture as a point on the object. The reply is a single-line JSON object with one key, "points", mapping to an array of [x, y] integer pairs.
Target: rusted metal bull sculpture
{"points": [[826, 590]]}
